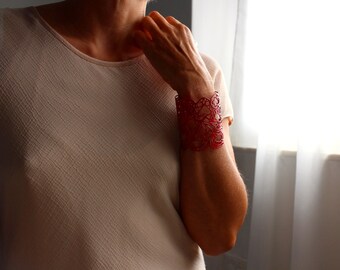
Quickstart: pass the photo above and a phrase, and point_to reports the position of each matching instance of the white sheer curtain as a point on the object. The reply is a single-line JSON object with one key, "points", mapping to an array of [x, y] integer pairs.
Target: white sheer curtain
{"points": [[286, 95], [292, 86]]}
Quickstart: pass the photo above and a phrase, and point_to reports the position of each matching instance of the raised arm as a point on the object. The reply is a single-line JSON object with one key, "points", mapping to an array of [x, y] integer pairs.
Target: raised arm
{"points": [[213, 197]]}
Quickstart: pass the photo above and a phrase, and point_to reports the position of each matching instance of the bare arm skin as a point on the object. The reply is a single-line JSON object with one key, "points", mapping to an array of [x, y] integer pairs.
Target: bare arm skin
{"points": [[213, 197]]}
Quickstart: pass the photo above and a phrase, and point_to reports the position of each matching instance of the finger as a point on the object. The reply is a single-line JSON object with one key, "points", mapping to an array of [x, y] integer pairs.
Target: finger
{"points": [[184, 30], [150, 26], [160, 20], [173, 21], [180, 26]]}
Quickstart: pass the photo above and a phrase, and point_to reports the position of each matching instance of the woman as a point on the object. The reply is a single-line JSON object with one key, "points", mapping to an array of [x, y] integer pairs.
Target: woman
{"points": [[115, 152]]}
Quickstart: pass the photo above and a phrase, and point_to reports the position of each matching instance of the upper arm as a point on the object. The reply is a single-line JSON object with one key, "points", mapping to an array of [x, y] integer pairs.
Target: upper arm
{"points": [[226, 122]]}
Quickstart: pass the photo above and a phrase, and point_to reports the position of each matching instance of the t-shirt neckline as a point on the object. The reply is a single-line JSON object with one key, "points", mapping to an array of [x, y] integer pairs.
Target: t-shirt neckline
{"points": [[61, 39]]}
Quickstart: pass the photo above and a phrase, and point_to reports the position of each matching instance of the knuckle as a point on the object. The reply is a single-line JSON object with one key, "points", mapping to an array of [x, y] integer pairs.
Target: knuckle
{"points": [[155, 13], [183, 28], [170, 18], [147, 20]]}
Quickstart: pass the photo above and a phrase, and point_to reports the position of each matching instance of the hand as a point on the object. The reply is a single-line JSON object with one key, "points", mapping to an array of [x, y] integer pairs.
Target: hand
{"points": [[170, 48]]}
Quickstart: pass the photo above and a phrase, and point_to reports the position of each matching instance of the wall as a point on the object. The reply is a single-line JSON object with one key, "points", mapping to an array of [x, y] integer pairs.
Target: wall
{"points": [[181, 9], [24, 3]]}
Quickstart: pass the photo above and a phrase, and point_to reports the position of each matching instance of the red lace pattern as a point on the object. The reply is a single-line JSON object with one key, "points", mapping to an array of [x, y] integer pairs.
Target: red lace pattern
{"points": [[200, 123]]}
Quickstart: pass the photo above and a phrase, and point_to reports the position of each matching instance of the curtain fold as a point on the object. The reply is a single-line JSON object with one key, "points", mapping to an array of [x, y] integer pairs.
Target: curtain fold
{"points": [[214, 28], [316, 238], [291, 57], [285, 89]]}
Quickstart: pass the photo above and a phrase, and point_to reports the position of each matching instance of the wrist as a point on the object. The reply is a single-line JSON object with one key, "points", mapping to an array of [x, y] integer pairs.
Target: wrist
{"points": [[200, 123], [196, 88]]}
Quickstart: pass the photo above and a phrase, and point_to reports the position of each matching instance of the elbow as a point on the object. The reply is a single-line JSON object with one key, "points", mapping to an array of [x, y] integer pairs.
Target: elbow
{"points": [[225, 239], [219, 245]]}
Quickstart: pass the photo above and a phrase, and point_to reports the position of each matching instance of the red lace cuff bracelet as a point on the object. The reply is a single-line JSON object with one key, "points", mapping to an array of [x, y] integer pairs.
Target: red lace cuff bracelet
{"points": [[200, 123]]}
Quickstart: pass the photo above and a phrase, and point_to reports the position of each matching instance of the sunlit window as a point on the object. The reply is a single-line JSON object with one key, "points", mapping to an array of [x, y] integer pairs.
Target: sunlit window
{"points": [[292, 72]]}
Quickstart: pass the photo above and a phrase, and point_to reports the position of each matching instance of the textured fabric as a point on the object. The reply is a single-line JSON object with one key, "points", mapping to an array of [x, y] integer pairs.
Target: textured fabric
{"points": [[89, 160]]}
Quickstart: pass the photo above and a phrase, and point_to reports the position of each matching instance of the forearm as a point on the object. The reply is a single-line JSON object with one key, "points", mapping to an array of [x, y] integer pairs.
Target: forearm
{"points": [[213, 197]]}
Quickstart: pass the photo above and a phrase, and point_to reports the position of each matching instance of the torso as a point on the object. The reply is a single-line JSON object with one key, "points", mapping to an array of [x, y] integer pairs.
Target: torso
{"points": [[91, 151]]}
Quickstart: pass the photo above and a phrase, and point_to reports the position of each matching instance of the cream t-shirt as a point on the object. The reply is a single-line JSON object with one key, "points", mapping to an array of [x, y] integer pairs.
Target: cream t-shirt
{"points": [[89, 160]]}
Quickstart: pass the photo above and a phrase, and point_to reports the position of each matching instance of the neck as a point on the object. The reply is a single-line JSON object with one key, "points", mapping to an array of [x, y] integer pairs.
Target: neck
{"points": [[103, 17], [103, 26]]}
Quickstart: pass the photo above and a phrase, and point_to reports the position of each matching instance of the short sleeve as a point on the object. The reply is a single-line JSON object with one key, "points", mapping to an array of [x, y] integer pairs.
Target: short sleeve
{"points": [[220, 86]]}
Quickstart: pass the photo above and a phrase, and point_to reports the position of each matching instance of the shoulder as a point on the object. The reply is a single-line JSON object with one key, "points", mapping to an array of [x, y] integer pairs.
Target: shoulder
{"points": [[217, 76], [215, 71], [16, 27], [15, 40], [10, 14], [15, 19], [212, 65]]}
